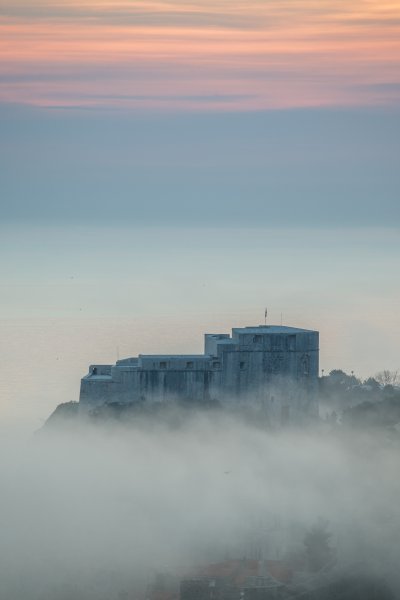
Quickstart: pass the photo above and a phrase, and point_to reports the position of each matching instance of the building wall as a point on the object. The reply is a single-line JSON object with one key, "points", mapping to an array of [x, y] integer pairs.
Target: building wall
{"points": [[151, 385], [277, 369]]}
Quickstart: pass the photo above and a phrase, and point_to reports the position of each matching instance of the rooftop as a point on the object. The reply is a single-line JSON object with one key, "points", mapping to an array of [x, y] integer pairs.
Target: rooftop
{"points": [[175, 356], [265, 329]]}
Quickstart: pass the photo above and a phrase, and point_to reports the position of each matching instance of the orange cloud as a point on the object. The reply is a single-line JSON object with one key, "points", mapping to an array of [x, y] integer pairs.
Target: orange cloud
{"points": [[196, 55]]}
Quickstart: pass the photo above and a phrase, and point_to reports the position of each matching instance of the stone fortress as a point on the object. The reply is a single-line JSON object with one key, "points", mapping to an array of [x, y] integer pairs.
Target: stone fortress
{"points": [[275, 367]]}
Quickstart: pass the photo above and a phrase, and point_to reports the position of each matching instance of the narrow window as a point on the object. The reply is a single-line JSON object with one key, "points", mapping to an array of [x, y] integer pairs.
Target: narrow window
{"points": [[305, 361], [94, 371], [276, 342], [242, 365]]}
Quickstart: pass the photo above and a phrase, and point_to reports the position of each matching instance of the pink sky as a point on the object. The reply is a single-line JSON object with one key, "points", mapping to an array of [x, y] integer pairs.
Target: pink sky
{"points": [[200, 55]]}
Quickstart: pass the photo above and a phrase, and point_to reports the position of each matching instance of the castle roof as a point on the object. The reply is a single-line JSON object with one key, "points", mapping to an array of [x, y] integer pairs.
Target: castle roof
{"points": [[273, 329]]}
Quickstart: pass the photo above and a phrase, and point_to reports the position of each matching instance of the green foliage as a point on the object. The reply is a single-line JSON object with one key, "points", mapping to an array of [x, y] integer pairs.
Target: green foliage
{"points": [[385, 413], [373, 384]]}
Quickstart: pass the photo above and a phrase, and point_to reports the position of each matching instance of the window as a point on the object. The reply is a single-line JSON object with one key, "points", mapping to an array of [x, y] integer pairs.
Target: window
{"points": [[190, 364], [163, 364], [242, 365], [94, 371], [305, 363], [276, 342], [257, 339], [216, 364]]}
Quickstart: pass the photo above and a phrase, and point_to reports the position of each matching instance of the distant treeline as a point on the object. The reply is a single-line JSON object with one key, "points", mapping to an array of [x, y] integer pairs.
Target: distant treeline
{"points": [[374, 402]]}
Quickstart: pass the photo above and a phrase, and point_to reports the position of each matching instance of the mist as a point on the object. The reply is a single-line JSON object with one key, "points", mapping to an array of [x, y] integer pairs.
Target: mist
{"points": [[96, 511]]}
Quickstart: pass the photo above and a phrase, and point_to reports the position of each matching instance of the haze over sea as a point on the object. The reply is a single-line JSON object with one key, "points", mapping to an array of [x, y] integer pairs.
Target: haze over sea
{"points": [[71, 297]]}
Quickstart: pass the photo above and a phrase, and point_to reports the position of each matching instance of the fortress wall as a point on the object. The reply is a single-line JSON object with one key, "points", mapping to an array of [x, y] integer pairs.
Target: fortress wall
{"points": [[187, 385], [270, 368], [95, 393], [135, 385]]}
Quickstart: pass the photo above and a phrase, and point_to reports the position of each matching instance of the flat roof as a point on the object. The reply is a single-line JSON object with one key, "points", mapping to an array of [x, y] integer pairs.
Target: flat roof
{"points": [[265, 329], [176, 356]]}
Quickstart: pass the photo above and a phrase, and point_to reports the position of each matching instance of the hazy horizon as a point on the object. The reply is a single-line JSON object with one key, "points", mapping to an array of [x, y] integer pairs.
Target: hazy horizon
{"points": [[73, 297]]}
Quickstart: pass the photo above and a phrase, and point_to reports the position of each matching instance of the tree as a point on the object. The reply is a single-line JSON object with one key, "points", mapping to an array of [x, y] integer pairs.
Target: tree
{"points": [[387, 377], [337, 377], [338, 374], [372, 383]]}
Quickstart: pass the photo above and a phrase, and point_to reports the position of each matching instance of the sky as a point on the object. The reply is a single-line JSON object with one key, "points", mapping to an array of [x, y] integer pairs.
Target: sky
{"points": [[171, 168], [209, 55]]}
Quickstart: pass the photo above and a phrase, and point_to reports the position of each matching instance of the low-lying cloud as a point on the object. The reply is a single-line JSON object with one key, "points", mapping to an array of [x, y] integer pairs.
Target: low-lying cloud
{"points": [[96, 512]]}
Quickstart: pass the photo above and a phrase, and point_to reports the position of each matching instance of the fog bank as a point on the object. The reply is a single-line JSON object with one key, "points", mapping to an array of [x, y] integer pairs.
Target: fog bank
{"points": [[96, 512]]}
